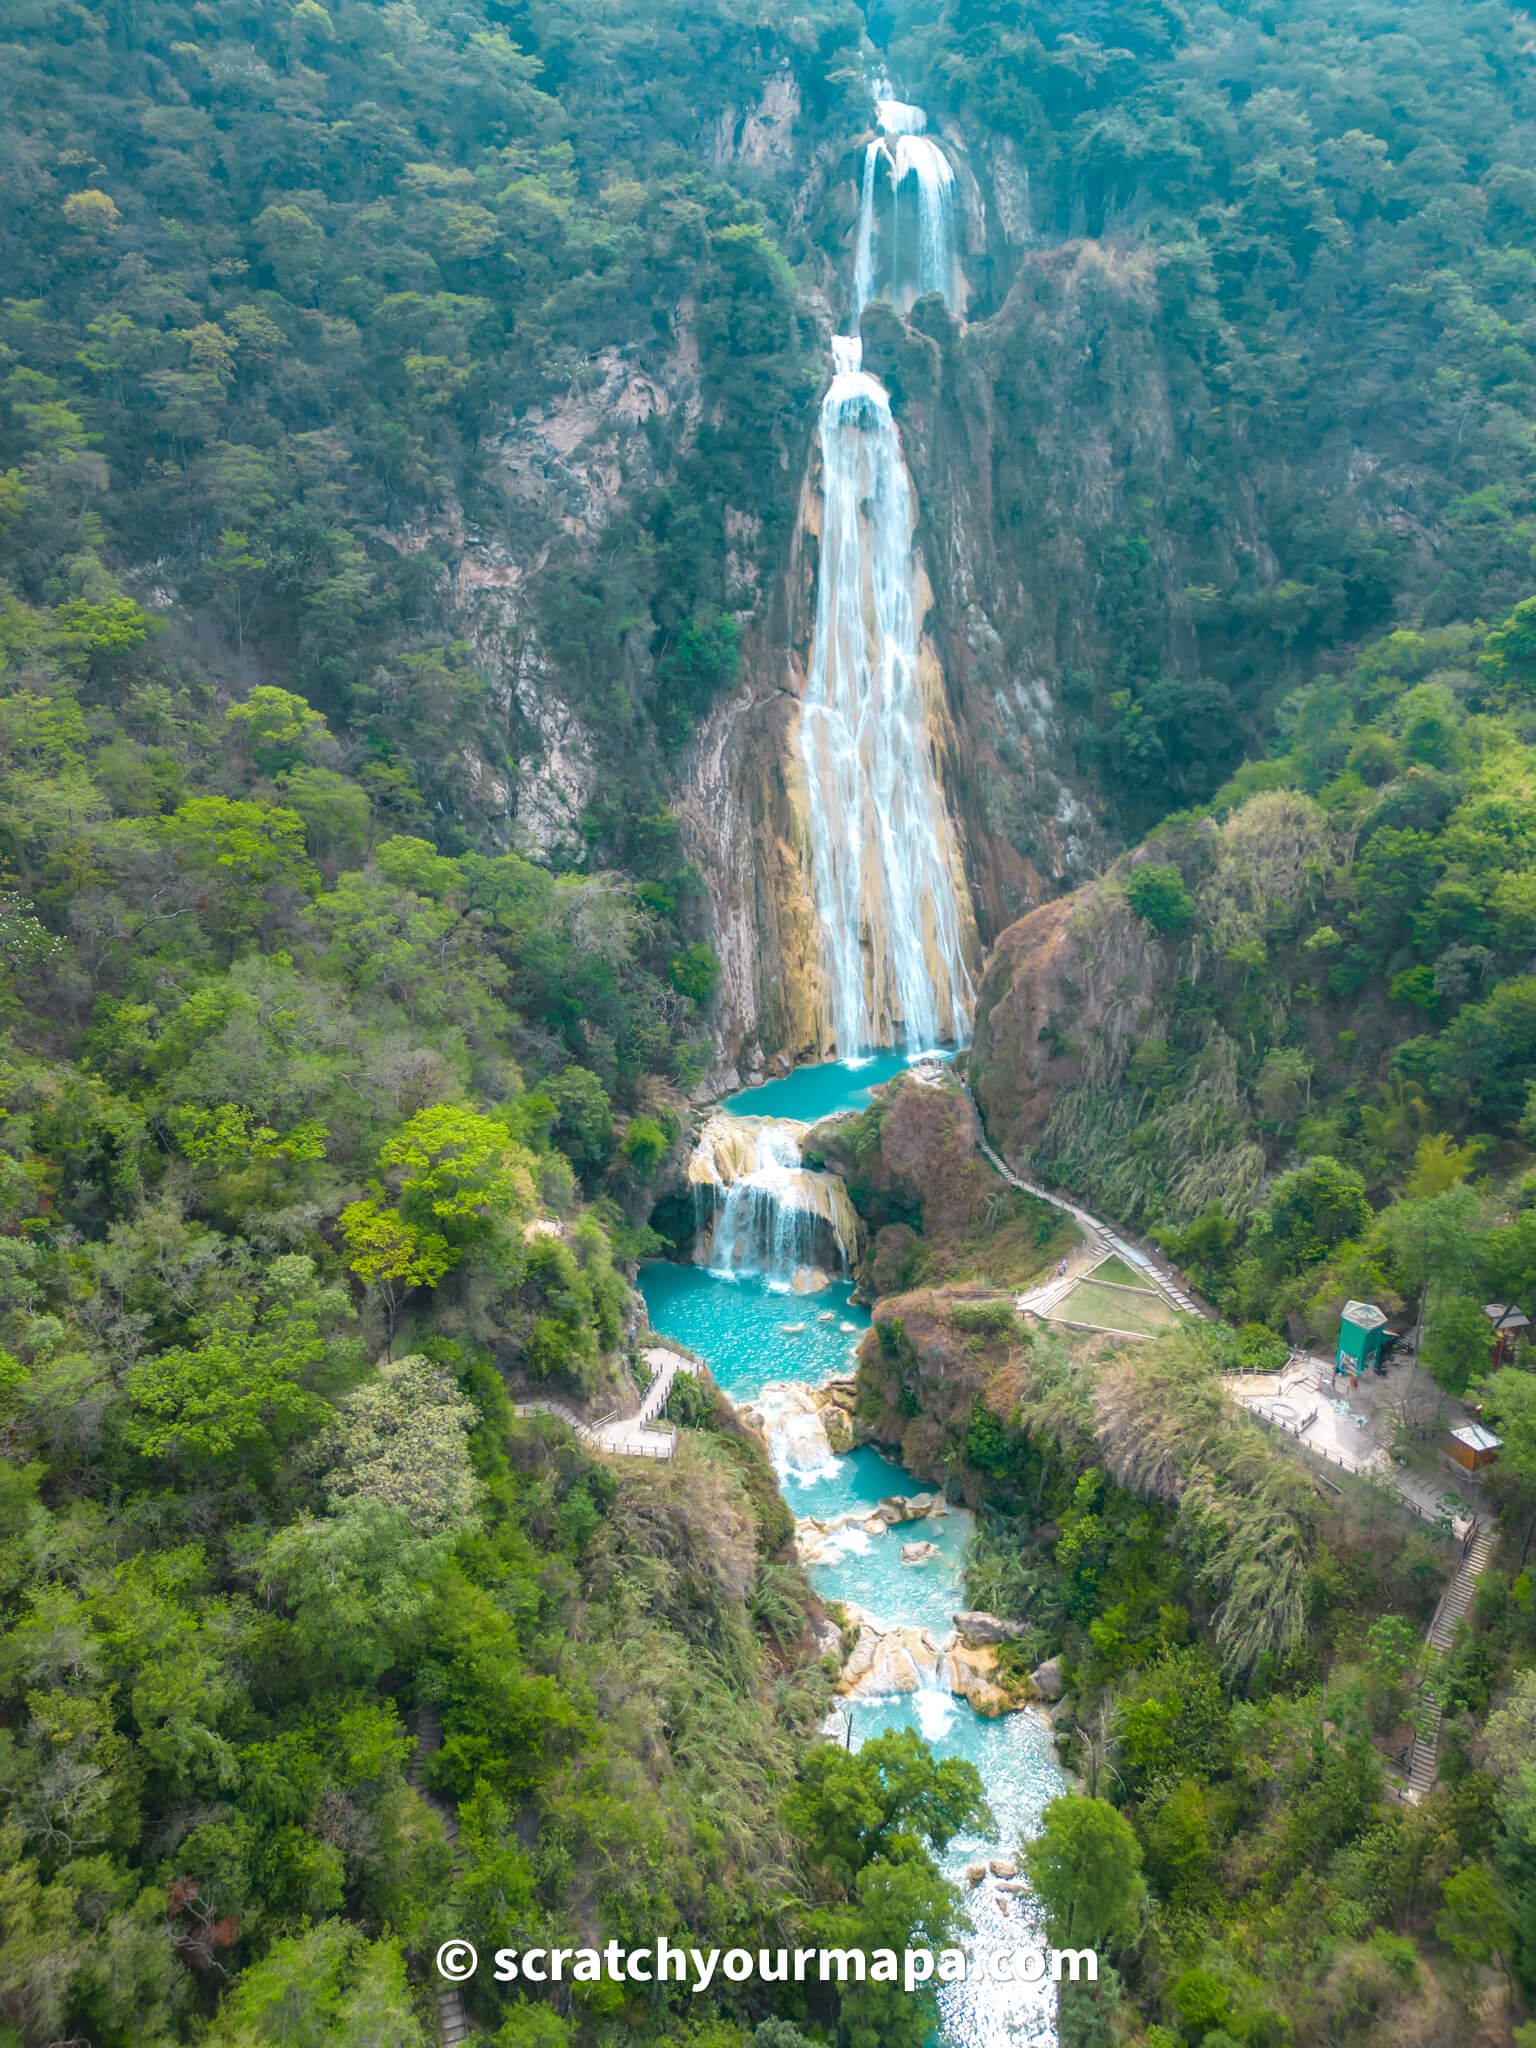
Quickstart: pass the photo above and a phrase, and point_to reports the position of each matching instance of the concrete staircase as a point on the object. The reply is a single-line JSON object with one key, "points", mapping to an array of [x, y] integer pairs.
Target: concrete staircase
{"points": [[665, 1367], [641, 1435], [452, 2025], [1099, 1242], [1424, 1764]]}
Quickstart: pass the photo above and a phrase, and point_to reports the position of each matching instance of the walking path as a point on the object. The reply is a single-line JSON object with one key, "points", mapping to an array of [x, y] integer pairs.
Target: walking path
{"points": [[452, 2024], [1454, 1602], [641, 1435], [1294, 1400], [1099, 1243]]}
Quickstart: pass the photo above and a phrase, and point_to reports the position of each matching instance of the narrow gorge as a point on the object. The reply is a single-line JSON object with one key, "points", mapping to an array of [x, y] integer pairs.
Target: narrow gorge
{"points": [[767, 1303]]}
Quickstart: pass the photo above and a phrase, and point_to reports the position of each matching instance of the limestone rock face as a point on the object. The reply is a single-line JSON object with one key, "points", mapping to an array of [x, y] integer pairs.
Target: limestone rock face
{"points": [[1066, 988], [903, 1658], [972, 1673], [924, 1161]]}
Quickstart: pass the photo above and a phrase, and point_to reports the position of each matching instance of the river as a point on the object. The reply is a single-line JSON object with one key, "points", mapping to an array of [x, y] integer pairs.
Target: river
{"points": [[756, 1334]]}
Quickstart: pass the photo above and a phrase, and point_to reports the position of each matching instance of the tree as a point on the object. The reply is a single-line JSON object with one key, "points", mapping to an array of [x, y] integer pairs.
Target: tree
{"points": [[1474, 1917], [1085, 1865], [583, 1115], [327, 1987], [392, 1255], [1158, 896], [1454, 1349], [402, 1438], [461, 1169], [1313, 1209], [244, 1390], [1509, 1401], [892, 1798], [277, 729]]}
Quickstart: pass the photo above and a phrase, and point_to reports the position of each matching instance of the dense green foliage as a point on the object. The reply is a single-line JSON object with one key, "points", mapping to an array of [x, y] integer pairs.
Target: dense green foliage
{"points": [[328, 1118], [1296, 240], [1239, 1652], [277, 280], [336, 1080]]}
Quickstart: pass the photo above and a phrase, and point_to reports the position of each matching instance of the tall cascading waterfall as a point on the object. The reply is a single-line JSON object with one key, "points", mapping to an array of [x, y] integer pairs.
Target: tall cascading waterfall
{"points": [[896, 926], [760, 1209]]}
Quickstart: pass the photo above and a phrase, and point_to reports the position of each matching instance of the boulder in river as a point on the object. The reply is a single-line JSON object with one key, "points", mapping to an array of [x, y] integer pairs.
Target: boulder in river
{"points": [[911, 1507], [918, 1553], [973, 1625], [902, 1658], [1047, 1680]]}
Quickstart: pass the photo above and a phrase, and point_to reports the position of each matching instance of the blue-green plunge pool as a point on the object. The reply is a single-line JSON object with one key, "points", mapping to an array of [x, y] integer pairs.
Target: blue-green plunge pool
{"points": [[756, 1333]]}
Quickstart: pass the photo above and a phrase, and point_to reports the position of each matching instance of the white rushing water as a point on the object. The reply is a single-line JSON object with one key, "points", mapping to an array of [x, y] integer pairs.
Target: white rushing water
{"points": [[906, 213], [786, 1364], [760, 1209], [890, 892]]}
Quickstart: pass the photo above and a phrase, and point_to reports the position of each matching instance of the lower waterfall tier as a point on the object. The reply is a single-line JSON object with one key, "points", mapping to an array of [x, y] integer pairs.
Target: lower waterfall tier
{"points": [[759, 1209]]}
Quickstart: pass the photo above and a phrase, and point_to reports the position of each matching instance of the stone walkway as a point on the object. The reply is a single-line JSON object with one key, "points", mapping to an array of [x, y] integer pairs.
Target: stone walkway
{"points": [[1320, 1427], [1424, 1767], [1354, 1427], [1099, 1242], [641, 1435]]}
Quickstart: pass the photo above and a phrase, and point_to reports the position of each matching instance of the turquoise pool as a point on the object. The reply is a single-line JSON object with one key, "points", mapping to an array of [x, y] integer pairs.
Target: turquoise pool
{"points": [[755, 1333]]}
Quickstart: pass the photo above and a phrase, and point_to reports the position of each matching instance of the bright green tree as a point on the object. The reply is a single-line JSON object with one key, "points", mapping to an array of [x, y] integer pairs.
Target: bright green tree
{"points": [[1085, 1865]]}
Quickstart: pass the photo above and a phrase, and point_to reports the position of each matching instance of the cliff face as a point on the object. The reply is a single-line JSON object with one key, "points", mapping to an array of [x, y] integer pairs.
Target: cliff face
{"points": [[1068, 991], [1028, 431], [924, 1368], [1121, 1060]]}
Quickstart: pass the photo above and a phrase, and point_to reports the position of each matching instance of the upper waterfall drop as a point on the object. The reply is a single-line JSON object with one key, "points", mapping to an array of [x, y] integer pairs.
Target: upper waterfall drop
{"points": [[894, 913], [921, 182]]}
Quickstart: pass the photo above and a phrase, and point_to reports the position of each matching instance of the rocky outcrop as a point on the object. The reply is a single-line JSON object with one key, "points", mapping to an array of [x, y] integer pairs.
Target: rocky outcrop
{"points": [[820, 1538], [931, 1203], [903, 1658], [1073, 990], [971, 1669], [974, 1626], [896, 1659], [1047, 1680], [1067, 990], [921, 1376]]}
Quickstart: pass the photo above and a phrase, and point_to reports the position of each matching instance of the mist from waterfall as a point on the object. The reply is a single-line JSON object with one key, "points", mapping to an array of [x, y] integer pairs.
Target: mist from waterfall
{"points": [[886, 871]]}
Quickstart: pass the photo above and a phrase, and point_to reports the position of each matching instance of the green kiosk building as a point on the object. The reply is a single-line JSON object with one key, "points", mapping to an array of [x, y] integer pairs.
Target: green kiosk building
{"points": [[1362, 1333]]}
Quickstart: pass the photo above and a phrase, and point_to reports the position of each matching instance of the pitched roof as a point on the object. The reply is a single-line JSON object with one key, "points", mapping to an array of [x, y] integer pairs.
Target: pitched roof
{"points": [[1365, 1315], [1505, 1315], [1476, 1438]]}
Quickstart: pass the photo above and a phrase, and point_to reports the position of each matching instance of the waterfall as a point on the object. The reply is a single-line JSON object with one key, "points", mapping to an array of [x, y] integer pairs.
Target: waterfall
{"points": [[893, 910], [885, 865], [911, 158], [918, 158], [760, 1209], [864, 243], [790, 1418]]}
